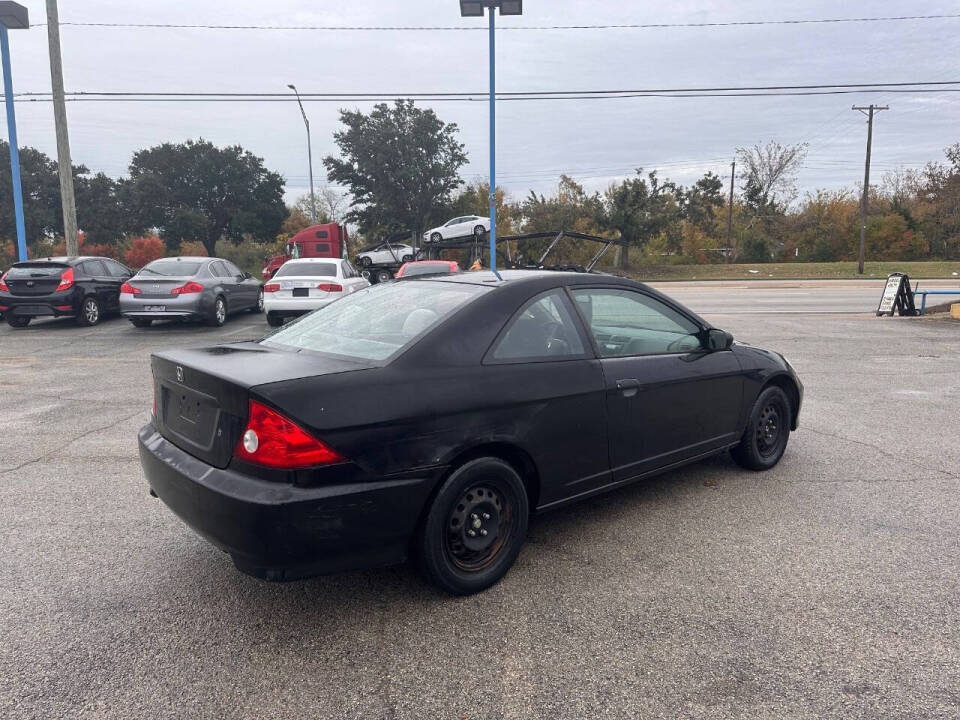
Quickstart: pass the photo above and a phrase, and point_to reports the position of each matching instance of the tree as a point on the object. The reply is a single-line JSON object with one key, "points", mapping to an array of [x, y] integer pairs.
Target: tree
{"points": [[41, 195], [641, 209], [197, 191], [99, 212], [769, 175], [699, 203], [401, 165]]}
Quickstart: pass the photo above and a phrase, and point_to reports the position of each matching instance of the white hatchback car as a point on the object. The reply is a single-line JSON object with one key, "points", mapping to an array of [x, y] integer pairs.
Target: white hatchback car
{"points": [[300, 286], [463, 226]]}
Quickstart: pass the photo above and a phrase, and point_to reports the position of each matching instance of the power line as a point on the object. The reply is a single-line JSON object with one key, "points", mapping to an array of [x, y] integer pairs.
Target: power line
{"points": [[507, 28]]}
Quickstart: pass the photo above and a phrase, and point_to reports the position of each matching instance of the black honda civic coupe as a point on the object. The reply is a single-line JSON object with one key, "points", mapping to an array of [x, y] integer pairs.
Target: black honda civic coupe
{"points": [[430, 417]]}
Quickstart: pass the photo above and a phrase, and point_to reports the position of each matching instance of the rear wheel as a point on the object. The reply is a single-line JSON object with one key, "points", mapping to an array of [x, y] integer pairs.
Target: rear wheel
{"points": [[141, 322], [274, 320], [384, 276], [475, 527], [366, 261], [479, 231], [89, 312], [219, 314], [406, 258], [18, 321], [768, 430]]}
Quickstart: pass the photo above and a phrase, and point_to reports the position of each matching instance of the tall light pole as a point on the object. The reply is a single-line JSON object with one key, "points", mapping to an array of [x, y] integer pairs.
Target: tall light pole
{"points": [[313, 198], [475, 8], [14, 17]]}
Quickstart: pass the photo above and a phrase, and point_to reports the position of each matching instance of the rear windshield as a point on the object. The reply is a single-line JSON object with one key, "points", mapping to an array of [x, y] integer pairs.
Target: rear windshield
{"points": [[412, 270], [308, 269], [378, 321], [172, 268], [35, 271]]}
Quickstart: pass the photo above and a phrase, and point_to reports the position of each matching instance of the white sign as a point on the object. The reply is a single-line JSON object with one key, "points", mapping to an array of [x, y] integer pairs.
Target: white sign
{"points": [[890, 293]]}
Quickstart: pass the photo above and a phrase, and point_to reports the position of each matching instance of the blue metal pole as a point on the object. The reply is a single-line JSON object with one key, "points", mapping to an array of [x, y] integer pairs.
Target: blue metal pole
{"points": [[493, 145], [14, 148]]}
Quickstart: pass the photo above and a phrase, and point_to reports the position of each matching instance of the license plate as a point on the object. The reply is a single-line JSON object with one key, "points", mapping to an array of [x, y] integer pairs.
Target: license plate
{"points": [[301, 292], [155, 308]]}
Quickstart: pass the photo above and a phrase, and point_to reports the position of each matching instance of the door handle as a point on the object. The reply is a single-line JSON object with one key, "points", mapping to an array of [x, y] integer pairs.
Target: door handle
{"points": [[628, 386]]}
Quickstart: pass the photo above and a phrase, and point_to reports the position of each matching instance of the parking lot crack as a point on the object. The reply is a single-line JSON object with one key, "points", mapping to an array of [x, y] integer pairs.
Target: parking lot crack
{"points": [[880, 450], [58, 450]]}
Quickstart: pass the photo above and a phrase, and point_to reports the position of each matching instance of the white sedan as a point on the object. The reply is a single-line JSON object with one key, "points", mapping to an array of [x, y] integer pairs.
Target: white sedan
{"points": [[386, 254], [300, 286], [459, 227]]}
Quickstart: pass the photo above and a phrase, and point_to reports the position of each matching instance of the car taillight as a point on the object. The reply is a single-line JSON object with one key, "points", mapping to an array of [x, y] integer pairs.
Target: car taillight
{"points": [[330, 287], [271, 287], [274, 441], [3, 283], [128, 289], [190, 287], [66, 280]]}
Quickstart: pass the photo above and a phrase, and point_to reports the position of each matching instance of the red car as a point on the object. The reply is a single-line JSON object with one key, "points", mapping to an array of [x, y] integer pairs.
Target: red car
{"points": [[428, 267]]}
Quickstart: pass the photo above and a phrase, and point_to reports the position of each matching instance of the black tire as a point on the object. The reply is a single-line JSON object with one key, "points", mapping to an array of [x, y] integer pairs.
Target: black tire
{"points": [[436, 237], [18, 321], [258, 305], [274, 320], [479, 231], [406, 258], [89, 312], [768, 430], [384, 275], [485, 497], [218, 316], [142, 322], [366, 261]]}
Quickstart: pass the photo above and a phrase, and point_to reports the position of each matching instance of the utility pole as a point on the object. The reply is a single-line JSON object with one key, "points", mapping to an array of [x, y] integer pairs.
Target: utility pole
{"points": [[67, 198], [869, 112], [313, 197], [733, 169]]}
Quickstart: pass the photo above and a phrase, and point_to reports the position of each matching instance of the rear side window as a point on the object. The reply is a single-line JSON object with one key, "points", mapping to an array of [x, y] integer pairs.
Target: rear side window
{"points": [[543, 330], [115, 269], [307, 269], [93, 268], [219, 269], [232, 270]]}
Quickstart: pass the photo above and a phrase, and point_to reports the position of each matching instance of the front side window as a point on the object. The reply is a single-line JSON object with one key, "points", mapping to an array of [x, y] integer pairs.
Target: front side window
{"points": [[624, 322], [543, 330], [377, 322]]}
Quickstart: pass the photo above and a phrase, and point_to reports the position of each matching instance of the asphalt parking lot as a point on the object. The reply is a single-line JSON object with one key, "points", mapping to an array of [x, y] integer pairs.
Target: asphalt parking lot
{"points": [[829, 586]]}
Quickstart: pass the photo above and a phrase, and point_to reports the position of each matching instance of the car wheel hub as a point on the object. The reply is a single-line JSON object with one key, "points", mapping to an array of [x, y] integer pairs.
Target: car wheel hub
{"points": [[91, 311], [768, 429], [474, 527], [221, 312]]}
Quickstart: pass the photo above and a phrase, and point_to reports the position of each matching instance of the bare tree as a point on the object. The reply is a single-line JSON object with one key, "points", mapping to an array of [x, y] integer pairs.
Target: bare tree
{"points": [[333, 202], [769, 173]]}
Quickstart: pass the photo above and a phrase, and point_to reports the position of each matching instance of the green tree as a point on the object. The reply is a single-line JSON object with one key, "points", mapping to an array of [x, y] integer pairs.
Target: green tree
{"points": [[699, 203], [401, 165], [641, 208], [197, 191], [41, 196]]}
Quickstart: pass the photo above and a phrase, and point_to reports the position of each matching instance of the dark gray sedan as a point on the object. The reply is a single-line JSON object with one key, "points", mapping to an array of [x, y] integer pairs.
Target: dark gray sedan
{"points": [[189, 288]]}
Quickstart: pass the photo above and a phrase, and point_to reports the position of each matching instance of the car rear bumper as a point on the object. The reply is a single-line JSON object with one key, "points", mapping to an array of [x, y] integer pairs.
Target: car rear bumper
{"points": [[278, 531], [192, 306], [51, 305], [296, 306]]}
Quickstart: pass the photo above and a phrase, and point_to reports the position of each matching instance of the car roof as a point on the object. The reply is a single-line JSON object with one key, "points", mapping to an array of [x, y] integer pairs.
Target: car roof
{"points": [[514, 277], [61, 259]]}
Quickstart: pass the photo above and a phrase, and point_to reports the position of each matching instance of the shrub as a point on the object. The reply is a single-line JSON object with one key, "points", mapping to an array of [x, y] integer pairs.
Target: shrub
{"points": [[144, 250], [193, 248]]}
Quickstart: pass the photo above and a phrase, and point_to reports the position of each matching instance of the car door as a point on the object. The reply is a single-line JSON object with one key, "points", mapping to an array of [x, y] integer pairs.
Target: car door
{"points": [[245, 291], [668, 398], [102, 285], [556, 402], [119, 274], [226, 282]]}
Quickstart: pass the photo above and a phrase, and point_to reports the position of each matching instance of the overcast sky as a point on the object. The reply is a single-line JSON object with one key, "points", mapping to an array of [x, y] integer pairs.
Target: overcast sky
{"points": [[594, 141]]}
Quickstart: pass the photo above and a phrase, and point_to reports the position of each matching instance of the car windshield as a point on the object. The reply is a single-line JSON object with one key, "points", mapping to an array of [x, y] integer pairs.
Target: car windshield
{"points": [[35, 271], [376, 322], [172, 268], [307, 269]]}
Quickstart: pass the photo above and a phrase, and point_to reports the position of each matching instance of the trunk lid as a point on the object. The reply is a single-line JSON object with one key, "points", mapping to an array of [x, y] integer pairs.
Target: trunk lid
{"points": [[202, 395], [158, 287], [35, 279]]}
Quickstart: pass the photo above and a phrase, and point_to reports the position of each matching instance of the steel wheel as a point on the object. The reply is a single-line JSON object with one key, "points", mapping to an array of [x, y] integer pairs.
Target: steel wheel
{"points": [[477, 527], [768, 430]]}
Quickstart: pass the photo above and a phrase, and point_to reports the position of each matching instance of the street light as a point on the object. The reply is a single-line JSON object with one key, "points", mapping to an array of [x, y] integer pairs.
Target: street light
{"points": [[13, 16], [475, 8], [313, 198]]}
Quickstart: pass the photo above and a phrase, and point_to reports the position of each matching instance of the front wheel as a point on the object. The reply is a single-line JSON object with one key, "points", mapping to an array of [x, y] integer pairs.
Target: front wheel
{"points": [[366, 261], [436, 237], [89, 312], [258, 306], [475, 527], [479, 231], [768, 430], [406, 258], [274, 320], [219, 315], [18, 321]]}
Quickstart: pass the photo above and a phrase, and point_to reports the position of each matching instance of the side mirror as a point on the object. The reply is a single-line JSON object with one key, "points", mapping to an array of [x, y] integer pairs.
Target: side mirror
{"points": [[718, 339]]}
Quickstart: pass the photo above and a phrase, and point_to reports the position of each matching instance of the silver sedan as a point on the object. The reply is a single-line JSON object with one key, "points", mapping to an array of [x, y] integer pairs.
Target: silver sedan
{"points": [[189, 288]]}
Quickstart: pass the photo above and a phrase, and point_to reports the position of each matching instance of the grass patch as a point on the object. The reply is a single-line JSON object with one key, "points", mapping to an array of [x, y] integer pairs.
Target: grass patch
{"points": [[938, 269]]}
